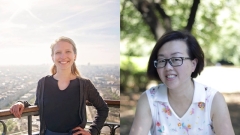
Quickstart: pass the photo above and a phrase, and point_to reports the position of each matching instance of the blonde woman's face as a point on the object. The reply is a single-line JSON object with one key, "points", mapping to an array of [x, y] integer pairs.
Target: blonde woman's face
{"points": [[63, 55]]}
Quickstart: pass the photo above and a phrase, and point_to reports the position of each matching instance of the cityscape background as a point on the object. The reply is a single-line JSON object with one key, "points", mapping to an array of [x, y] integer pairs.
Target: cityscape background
{"points": [[27, 30], [20, 83]]}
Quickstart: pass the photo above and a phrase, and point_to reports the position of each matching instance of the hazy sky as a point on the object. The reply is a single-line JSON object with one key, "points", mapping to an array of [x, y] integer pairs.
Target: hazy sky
{"points": [[29, 27]]}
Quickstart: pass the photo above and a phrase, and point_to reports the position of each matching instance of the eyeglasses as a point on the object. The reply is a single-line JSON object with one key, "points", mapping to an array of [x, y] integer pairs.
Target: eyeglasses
{"points": [[174, 61]]}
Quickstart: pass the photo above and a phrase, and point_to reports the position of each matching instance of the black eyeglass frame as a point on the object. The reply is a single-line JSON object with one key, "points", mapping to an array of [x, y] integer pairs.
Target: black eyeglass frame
{"points": [[170, 62]]}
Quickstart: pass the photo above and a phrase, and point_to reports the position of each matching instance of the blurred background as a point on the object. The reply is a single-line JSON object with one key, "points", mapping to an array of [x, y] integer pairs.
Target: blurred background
{"points": [[215, 24]]}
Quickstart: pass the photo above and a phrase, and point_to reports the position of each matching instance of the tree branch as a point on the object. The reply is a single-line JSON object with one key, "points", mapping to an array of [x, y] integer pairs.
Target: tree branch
{"points": [[192, 15], [166, 19], [122, 13], [147, 11]]}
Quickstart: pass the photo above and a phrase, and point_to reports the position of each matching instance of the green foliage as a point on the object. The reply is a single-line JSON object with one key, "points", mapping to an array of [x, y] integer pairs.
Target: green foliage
{"points": [[216, 28], [179, 12], [133, 82], [132, 24]]}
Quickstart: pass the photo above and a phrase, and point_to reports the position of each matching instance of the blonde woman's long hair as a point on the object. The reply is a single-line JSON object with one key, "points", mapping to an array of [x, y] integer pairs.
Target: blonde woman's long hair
{"points": [[74, 69]]}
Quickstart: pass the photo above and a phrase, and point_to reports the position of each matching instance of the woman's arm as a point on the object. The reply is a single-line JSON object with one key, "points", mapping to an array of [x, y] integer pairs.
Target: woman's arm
{"points": [[143, 118], [101, 107], [18, 107], [220, 116]]}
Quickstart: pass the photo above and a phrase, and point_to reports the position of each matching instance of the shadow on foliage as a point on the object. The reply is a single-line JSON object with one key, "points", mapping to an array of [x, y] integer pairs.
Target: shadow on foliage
{"points": [[133, 81]]}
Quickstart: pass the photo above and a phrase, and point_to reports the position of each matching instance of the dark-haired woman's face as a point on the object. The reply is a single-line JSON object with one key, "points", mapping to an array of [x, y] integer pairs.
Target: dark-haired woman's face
{"points": [[175, 77]]}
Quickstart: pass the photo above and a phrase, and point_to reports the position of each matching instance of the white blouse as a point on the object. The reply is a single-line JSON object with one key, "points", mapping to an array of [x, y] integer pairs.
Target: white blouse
{"points": [[196, 121]]}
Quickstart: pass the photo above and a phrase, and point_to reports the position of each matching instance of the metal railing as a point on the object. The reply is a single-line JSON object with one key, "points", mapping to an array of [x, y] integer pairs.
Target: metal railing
{"points": [[33, 110]]}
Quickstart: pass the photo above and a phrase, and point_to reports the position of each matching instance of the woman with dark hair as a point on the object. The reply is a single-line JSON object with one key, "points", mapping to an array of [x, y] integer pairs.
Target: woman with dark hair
{"points": [[180, 105], [61, 97]]}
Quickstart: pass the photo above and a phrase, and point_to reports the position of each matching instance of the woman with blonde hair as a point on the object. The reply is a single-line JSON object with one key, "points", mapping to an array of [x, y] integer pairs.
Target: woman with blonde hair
{"points": [[61, 97]]}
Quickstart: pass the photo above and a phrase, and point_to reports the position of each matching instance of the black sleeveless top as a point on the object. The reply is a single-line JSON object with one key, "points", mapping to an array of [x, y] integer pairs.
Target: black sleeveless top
{"points": [[61, 107]]}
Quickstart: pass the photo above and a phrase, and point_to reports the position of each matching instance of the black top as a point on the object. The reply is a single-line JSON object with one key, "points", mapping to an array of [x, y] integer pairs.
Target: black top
{"points": [[61, 107], [87, 92]]}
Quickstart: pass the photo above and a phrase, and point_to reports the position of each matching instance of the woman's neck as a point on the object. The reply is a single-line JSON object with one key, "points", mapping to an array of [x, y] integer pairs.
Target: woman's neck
{"points": [[183, 94], [64, 75]]}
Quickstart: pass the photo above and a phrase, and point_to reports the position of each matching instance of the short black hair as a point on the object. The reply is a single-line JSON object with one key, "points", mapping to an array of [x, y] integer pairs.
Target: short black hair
{"points": [[194, 51]]}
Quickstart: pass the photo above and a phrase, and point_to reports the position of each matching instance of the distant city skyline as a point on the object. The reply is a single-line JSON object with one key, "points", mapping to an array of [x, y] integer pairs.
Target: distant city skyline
{"points": [[29, 27]]}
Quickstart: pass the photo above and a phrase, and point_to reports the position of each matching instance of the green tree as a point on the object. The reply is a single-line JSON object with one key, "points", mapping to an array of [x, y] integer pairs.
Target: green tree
{"points": [[213, 23]]}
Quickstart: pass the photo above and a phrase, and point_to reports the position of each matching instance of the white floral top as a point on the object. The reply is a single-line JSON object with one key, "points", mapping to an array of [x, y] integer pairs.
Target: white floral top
{"points": [[196, 121]]}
